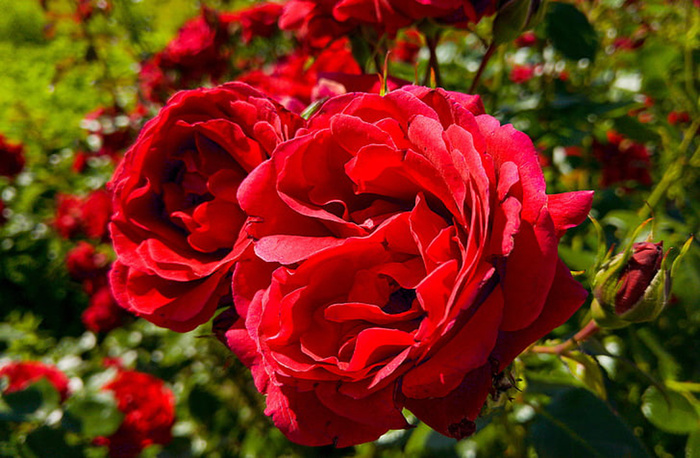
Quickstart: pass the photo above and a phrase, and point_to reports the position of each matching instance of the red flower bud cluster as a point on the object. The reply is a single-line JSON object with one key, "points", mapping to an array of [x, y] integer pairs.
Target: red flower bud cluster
{"points": [[149, 413], [88, 216]]}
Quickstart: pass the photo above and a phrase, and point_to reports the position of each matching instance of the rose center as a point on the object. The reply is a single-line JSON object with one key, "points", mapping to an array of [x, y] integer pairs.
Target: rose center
{"points": [[400, 301]]}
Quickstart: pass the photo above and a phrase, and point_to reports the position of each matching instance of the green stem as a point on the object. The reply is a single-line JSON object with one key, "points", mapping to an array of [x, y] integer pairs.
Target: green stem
{"points": [[485, 60], [688, 53], [673, 172]]}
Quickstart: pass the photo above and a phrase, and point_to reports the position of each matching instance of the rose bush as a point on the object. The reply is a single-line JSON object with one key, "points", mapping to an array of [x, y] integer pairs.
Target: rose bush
{"points": [[406, 252], [176, 218]]}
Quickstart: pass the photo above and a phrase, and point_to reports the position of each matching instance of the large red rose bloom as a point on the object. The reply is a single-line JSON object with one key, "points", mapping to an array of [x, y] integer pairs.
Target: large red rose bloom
{"points": [[176, 220], [406, 253]]}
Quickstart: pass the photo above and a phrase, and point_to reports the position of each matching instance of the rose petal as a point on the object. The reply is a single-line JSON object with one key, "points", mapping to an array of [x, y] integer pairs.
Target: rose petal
{"points": [[569, 209], [453, 415], [564, 298], [468, 349]]}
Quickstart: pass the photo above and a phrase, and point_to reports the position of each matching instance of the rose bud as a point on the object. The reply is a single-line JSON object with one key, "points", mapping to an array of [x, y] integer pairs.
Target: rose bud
{"points": [[632, 287]]}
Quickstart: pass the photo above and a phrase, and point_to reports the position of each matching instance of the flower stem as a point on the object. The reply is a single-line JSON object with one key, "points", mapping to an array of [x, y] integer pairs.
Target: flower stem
{"points": [[432, 40], [672, 174], [581, 336], [485, 60]]}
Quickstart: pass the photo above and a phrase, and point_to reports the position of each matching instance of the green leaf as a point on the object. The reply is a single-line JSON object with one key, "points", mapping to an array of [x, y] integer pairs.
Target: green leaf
{"points": [[50, 443], [630, 127], [667, 364], [587, 370], [576, 424], [25, 401], [39, 394], [512, 19], [570, 32], [202, 404], [658, 62], [93, 415], [670, 411]]}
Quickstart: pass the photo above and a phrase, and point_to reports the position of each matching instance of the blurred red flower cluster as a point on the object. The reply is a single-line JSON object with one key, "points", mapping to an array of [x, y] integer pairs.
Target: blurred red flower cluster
{"points": [[147, 404], [22, 374], [149, 413]]}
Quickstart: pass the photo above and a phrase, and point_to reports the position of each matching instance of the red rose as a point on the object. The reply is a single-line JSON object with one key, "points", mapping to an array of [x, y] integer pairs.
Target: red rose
{"points": [[149, 414], [521, 73], [103, 314], [84, 262], [198, 50], [318, 22], [83, 216], [21, 374], [678, 117], [391, 15], [406, 253], [176, 218], [11, 158], [407, 46], [526, 39], [622, 160], [255, 21], [154, 84], [68, 215], [632, 286], [313, 21], [95, 213], [291, 80]]}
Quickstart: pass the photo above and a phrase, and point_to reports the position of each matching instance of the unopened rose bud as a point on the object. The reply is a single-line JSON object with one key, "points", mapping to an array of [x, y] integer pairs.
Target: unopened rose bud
{"points": [[632, 287]]}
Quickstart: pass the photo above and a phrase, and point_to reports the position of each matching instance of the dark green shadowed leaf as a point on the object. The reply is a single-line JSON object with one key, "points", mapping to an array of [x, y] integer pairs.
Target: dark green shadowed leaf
{"points": [[46, 442], [40, 394], [570, 32], [632, 128], [576, 424]]}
